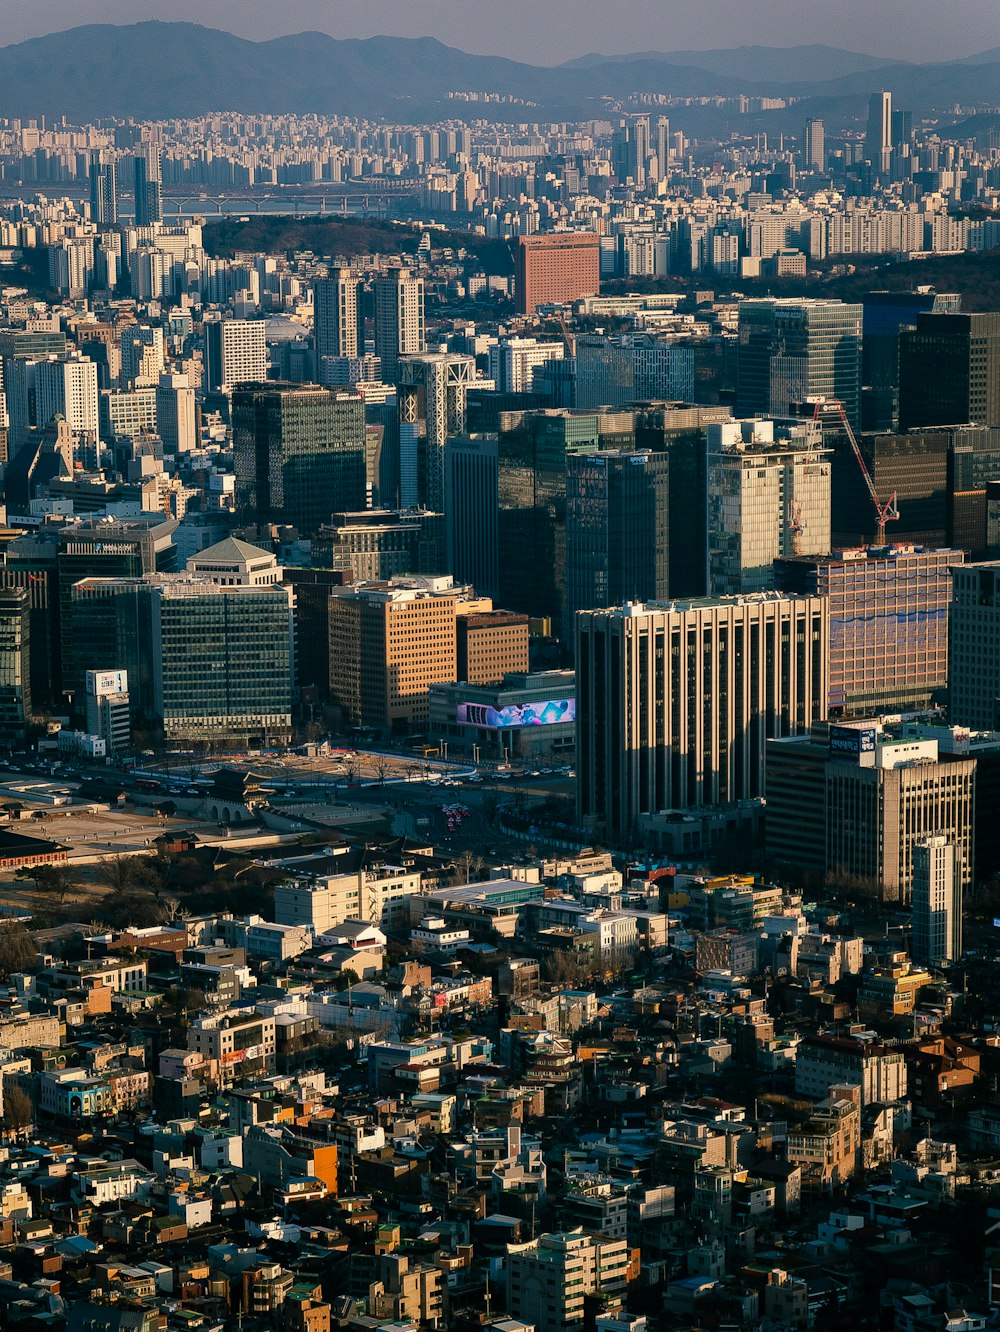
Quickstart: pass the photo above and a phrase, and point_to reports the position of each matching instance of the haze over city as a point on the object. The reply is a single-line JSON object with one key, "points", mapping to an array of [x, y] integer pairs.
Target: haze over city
{"points": [[550, 31]]}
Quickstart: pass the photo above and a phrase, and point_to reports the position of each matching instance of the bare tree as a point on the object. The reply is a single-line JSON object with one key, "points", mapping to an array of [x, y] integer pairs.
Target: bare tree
{"points": [[59, 880], [18, 1109], [17, 949]]}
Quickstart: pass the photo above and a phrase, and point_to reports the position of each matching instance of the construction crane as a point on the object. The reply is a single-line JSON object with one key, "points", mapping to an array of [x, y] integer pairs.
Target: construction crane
{"points": [[886, 511], [795, 526], [567, 336]]}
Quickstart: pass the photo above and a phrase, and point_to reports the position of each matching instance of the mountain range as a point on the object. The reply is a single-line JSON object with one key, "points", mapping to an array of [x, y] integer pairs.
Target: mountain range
{"points": [[160, 70]]}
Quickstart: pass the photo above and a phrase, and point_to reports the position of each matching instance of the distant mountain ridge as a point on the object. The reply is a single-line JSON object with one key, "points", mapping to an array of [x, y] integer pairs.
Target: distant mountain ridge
{"points": [[156, 70]]}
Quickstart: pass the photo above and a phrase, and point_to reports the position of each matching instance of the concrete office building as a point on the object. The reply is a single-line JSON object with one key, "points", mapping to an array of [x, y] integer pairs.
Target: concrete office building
{"points": [[431, 399], [234, 563], [490, 645], [949, 371], [176, 418], [937, 903], [389, 642], [235, 353], [142, 356], [888, 623], [789, 350], [814, 145], [335, 315], [399, 319], [852, 800], [616, 530], [676, 701], [471, 509], [107, 708], [974, 647], [148, 187], [68, 389], [558, 267], [513, 362], [382, 543], [299, 453], [528, 716], [631, 367], [768, 495]]}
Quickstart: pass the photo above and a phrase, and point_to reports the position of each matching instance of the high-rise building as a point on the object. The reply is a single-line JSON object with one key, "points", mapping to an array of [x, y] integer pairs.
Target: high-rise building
{"points": [[235, 353], [814, 145], [662, 147], [471, 509], [949, 371], [381, 543], [388, 644], [631, 367], [335, 313], [617, 510], [768, 495], [852, 800], [222, 660], [557, 266], [431, 399], [176, 418], [299, 453], [68, 389], [15, 661], [490, 645], [513, 362], [148, 184], [974, 647], [103, 181], [142, 355], [532, 449], [399, 319], [793, 349], [937, 903], [675, 702], [878, 137], [679, 432], [885, 314], [630, 148], [888, 623]]}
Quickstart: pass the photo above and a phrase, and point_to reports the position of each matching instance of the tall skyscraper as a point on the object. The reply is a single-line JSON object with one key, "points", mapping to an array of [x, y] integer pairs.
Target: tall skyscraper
{"points": [[335, 302], [663, 147], [949, 370], [616, 530], [299, 453], [15, 661], [235, 353], [630, 151], [793, 349], [431, 401], [814, 145], [888, 623], [399, 319], [676, 701], [768, 495], [471, 508], [148, 187], [878, 137], [558, 266], [513, 362], [937, 903], [974, 647], [103, 180]]}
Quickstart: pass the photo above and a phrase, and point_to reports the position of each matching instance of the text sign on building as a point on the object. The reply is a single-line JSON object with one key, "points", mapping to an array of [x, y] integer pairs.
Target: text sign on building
{"points": [[852, 741], [102, 683], [543, 713]]}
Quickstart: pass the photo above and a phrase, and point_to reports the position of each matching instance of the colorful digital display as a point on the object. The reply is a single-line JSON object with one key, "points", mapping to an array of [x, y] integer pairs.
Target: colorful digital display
{"points": [[546, 712]]}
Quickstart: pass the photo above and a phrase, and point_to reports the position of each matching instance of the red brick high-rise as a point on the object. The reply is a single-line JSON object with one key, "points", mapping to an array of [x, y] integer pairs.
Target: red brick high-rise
{"points": [[559, 266]]}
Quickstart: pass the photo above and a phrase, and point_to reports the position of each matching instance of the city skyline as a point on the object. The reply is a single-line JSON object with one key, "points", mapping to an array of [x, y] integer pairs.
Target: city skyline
{"points": [[894, 30]]}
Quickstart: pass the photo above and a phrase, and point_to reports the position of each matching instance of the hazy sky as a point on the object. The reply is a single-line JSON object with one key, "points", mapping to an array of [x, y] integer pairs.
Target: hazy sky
{"points": [[547, 31]]}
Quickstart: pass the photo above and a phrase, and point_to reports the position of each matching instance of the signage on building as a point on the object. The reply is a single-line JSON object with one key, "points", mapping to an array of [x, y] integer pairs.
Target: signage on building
{"points": [[853, 740], [545, 712]]}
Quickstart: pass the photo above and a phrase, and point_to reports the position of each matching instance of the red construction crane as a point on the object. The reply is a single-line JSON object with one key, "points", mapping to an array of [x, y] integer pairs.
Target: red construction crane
{"points": [[886, 510]]}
